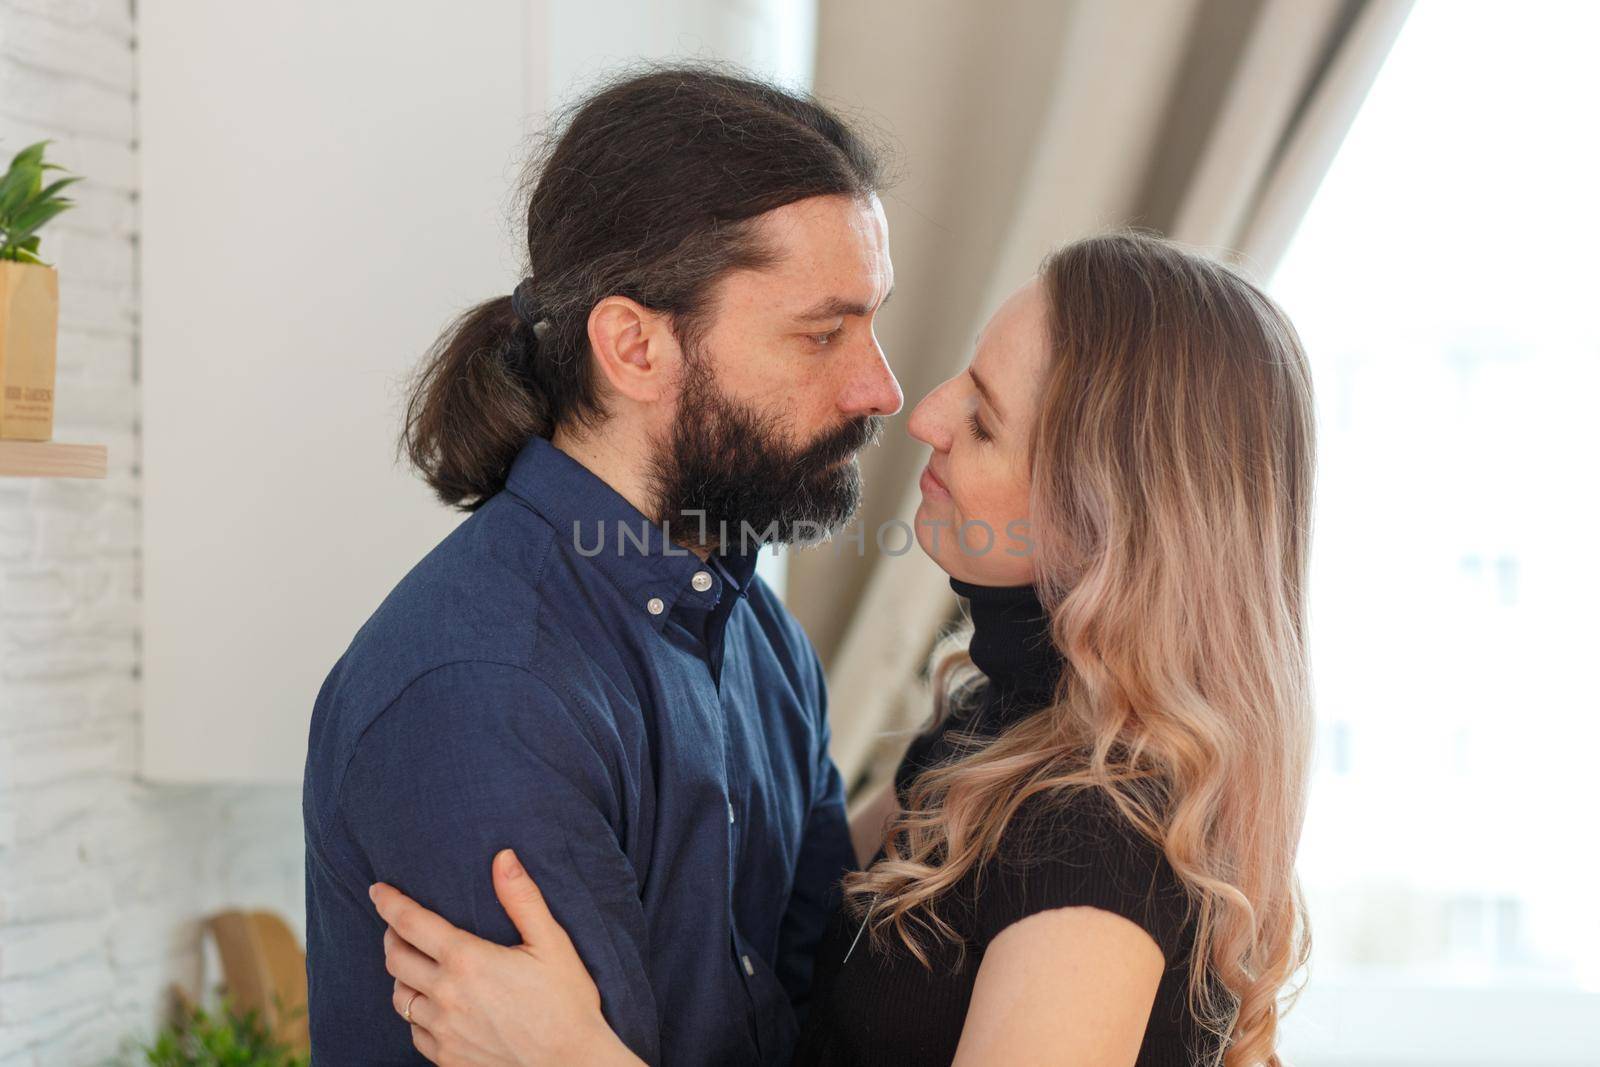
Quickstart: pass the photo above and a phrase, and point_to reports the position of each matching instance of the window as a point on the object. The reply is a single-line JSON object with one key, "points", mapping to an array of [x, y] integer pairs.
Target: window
{"points": [[1445, 282]]}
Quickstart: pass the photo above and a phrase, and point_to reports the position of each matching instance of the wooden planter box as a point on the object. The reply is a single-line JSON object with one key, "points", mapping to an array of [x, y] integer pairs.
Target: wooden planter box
{"points": [[29, 299]]}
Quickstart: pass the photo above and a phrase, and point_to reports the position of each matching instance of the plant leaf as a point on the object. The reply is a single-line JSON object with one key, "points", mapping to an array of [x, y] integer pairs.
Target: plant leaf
{"points": [[15, 188], [31, 156], [34, 216], [55, 187]]}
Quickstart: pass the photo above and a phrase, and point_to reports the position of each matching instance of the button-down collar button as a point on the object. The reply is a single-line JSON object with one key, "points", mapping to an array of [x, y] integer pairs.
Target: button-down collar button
{"points": [[655, 605], [701, 581]]}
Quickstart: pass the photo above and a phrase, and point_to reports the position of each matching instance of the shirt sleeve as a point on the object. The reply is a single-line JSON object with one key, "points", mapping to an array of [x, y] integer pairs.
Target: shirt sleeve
{"points": [[826, 854], [1083, 852], [474, 757]]}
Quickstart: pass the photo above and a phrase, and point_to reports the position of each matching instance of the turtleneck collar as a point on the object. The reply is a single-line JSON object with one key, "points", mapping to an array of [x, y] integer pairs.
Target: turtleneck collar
{"points": [[1011, 641]]}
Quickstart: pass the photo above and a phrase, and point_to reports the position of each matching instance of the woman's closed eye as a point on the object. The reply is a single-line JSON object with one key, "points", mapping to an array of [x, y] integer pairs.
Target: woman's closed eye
{"points": [[977, 428]]}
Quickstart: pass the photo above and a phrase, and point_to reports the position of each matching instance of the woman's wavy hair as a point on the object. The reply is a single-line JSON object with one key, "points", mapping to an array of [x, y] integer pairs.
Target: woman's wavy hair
{"points": [[1172, 467]]}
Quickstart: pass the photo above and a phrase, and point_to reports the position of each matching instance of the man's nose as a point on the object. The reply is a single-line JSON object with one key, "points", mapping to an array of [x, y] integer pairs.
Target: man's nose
{"points": [[874, 391]]}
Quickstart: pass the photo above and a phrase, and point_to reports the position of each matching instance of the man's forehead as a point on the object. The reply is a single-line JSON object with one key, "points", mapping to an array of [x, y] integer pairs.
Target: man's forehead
{"points": [[832, 246]]}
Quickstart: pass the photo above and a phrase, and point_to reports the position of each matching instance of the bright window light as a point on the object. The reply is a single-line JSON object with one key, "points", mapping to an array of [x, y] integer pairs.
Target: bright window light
{"points": [[1445, 283]]}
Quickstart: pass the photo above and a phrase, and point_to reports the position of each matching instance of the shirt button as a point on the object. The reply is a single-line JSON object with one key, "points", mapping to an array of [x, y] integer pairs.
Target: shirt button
{"points": [[655, 605], [749, 968], [701, 581], [730, 811]]}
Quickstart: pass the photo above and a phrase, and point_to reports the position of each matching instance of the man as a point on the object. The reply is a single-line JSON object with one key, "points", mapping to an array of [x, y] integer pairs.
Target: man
{"points": [[588, 670]]}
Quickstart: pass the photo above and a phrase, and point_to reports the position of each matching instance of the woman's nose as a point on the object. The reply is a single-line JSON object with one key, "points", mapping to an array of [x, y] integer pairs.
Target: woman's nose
{"points": [[926, 423]]}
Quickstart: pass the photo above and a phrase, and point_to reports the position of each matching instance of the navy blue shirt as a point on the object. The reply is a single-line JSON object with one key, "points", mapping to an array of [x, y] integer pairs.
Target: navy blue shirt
{"points": [[646, 729]]}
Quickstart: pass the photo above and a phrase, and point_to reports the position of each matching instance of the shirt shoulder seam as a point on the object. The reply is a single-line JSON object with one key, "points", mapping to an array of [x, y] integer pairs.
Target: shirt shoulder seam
{"points": [[564, 695]]}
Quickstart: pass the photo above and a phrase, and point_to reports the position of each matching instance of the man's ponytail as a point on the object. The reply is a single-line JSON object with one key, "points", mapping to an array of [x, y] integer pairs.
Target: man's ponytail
{"points": [[474, 403]]}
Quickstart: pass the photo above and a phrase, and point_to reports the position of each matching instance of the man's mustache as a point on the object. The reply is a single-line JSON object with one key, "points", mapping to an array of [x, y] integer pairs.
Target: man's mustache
{"points": [[846, 441]]}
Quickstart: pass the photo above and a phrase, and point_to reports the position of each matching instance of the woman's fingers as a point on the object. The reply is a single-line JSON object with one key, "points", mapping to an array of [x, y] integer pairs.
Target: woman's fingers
{"points": [[407, 964], [523, 902], [493, 1004], [422, 1009], [426, 1044], [420, 927]]}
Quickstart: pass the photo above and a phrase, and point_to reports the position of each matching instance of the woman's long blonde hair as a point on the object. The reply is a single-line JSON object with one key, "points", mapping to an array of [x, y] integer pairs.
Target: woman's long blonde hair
{"points": [[1172, 469]]}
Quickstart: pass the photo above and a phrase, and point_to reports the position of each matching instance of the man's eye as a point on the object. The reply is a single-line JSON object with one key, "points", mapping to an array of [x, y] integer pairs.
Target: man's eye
{"points": [[824, 338]]}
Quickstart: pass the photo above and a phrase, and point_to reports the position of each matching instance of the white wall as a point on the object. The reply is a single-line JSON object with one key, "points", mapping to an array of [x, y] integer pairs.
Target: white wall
{"points": [[320, 195], [102, 876], [776, 38]]}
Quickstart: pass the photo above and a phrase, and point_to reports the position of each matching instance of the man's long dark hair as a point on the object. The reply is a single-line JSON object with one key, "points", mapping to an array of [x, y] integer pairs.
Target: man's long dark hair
{"points": [[647, 190]]}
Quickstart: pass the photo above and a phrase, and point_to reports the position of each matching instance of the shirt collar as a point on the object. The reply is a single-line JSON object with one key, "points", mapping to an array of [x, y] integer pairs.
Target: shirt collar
{"points": [[623, 544]]}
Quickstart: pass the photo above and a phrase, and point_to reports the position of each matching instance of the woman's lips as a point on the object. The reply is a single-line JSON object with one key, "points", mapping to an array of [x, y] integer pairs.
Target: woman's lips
{"points": [[931, 485]]}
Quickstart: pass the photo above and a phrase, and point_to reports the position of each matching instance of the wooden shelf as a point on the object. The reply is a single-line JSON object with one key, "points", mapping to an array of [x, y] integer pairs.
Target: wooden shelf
{"points": [[51, 459]]}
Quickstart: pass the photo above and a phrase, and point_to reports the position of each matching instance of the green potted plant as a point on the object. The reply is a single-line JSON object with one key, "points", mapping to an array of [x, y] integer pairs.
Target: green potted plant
{"points": [[224, 1037], [29, 297]]}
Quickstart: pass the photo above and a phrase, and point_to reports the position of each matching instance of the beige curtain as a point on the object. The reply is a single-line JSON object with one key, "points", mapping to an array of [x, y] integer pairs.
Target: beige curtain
{"points": [[1022, 124]]}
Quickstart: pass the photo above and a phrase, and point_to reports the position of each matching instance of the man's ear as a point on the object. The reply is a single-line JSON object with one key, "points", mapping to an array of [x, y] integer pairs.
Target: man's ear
{"points": [[634, 348]]}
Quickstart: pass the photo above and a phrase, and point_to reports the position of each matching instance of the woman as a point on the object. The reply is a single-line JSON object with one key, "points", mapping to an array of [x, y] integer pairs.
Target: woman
{"points": [[1088, 856]]}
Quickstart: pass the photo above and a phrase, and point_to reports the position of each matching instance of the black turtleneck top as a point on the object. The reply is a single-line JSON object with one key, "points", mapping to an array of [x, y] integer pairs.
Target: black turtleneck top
{"points": [[879, 1007]]}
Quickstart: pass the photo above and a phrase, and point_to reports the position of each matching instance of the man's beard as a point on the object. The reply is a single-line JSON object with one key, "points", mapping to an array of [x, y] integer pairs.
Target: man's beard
{"points": [[728, 475]]}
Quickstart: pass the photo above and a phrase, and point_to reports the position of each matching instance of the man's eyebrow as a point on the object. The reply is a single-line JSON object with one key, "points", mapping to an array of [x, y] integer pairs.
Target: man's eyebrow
{"points": [[835, 307], [983, 390]]}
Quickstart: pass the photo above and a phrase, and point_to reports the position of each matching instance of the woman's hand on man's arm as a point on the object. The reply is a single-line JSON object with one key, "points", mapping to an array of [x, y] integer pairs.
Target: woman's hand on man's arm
{"points": [[472, 1001]]}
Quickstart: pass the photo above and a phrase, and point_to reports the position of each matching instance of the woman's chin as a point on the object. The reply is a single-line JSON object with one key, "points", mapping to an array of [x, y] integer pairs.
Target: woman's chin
{"points": [[932, 523], [928, 513], [922, 543]]}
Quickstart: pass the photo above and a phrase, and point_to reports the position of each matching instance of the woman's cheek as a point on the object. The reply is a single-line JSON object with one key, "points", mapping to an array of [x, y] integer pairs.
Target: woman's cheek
{"points": [[975, 498]]}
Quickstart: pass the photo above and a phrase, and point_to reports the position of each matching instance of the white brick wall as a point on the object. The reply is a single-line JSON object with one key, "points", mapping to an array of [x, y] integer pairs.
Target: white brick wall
{"points": [[103, 878]]}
